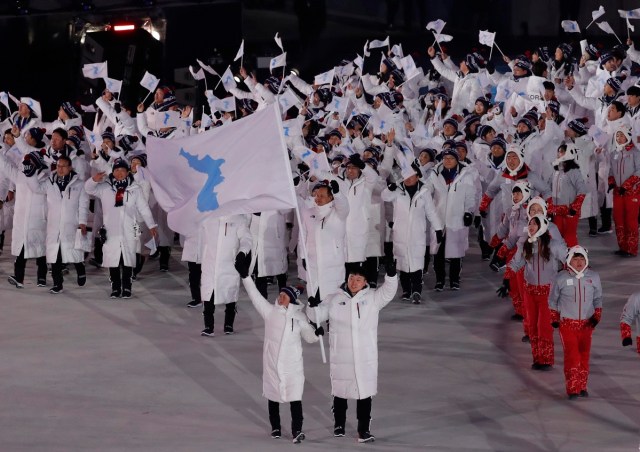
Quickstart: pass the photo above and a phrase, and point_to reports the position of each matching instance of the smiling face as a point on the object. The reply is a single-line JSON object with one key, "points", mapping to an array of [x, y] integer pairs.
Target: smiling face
{"points": [[356, 283]]}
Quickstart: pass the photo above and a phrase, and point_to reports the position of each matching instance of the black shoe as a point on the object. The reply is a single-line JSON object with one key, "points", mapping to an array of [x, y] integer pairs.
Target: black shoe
{"points": [[338, 431], [164, 268], [126, 293], [366, 437], [194, 304], [115, 294], [134, 277], [154, 255], [517, 317], [415, 298], [14, 282], [593, 233], [536, 366], [605, 230], [275, 433], [209, 332], [406, 296], [42, 283], [546, 367], [486, 257], [454, 286], [55, 290], [439, 287], [525, 338], [82, 280], [96, 263], [619, 253], [573, 396], [228, 329], [584, 393], [298, 437]]}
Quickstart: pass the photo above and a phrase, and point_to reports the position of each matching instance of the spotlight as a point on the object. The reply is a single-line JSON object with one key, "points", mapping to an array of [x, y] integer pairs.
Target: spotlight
{"points": [[237, 79], [124, 27], [295, 71]]}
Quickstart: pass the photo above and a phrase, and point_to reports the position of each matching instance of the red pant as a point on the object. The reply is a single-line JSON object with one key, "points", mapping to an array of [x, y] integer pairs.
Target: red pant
{"points": [[568, 227], [625, 216], [516, 290], [536, 302], [576, 341]]}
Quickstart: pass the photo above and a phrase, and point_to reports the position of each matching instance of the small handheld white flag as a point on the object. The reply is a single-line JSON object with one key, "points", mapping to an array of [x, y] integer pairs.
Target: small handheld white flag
{"points": [[375, 44], [359, 62], [279, 61], [443, 38], [227, 79], [4, 99], [113, 85], [288, 99], [278, 41], [338, 104], [570, 26], [240, 51], [436, 26], [632, 14], [207, 68], [397, 50], [366, 52], [149, 81], [317, 162], [604, 26], [226, 104], [486, 37], [197, 75], [600, 137], [33, 105], [91, 137], [95, 70], [404, 158], [325, 78], [292, 127], [595, 15]]}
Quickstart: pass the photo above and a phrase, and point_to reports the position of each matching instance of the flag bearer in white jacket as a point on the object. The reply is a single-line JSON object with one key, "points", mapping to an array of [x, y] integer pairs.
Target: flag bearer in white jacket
{"points": [[269, 246], [122, 201], [576, 307], [282, 365], [67, 212], [353, 337], [224, 241]]}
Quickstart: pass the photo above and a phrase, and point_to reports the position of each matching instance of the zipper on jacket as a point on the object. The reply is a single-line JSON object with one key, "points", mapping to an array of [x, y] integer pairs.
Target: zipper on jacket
{"points": [[580, 299], [292, 324], [225, 229]]}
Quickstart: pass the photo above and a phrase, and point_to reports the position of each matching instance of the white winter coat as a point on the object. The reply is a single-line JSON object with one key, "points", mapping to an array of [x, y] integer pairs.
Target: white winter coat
{"points": [[222, 239], [123, 231], [452, 202], [353, 338], [269, 242], [410, 217], [466, 88], [282, 364], [65, 212]]}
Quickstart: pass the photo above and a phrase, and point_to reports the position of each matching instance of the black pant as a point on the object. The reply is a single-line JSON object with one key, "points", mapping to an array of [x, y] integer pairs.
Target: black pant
{"points": [[411, 282], [363, 410], [371, 270], [439, 266], [165, 252], [195, 274], [485, 249], [262, 282], [296, 415], [210, 309], [121, 276], [427, 259], [605, 214], [97, 250], [20, 264], [56, 270]]}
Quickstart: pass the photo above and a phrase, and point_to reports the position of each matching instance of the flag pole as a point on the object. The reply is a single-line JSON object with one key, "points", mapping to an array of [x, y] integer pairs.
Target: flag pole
{"points": [[145, 97], [438, 42], [491, 51], [499, 49], [614, 34], [628, 29], [219, 81], [590, 23]]}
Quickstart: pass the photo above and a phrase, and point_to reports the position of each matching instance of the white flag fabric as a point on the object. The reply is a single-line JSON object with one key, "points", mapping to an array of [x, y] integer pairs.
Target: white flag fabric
{"points": [[205, 121], [570, 26], [436, 26], [279, 61], [315, 161], [443, 38], [4, 99], [278, 41], [629, 26], [227, 79], [404, 157], [325, 78], [157, 120], [600, 137], [597, 13], [240, 51], [199, 75], [95, 70], [91, 137], [225, 105], [237, 169], [382, 120], [207, 68], [366, 52], [486, 37], [88, 108], [375, 44], [604, 26], [397, 50], [359, 62], [149, 81], [288, 99], [33, 105], [632, 14], [339, 105], [292, 127], [113, 85]]}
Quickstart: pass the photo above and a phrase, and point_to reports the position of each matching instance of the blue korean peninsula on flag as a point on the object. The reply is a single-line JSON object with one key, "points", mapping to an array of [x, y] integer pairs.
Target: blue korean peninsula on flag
{"points": [[239, 168]]}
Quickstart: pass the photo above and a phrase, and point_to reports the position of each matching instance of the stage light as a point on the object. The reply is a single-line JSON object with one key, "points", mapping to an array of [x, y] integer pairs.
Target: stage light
{"points": [[124, 27], [295, 71]]}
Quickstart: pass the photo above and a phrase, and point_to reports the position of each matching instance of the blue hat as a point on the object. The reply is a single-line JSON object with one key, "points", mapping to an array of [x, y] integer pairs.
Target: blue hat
{"points": [[450, 151], [293, 293]]}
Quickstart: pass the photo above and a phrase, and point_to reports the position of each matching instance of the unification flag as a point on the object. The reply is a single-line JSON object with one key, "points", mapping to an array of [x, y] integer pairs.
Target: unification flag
{"points": [[375, 44], [486, 37], [113, 85], [237, 169], [570, 26], [149, 81], [279, 61], [227, 79], [436, 26], [95, 70]]}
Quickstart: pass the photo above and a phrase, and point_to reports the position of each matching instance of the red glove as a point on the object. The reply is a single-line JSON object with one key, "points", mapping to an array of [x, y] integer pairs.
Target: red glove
{"points": [[560, 211], [555, 318], [598, 314], [484, 204], [630, 183], [495, 241], [576, 205], [550, 206], [625, 331]]}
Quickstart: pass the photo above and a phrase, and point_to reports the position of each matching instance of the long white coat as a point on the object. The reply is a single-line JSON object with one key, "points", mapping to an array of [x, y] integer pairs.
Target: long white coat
{"points": [[29, 215], [410, 217], [452, 202], [324, 237], [65, 212], [466, 89], [222, 239], [123, 231], [282, 364], [269, 242], [353, 338]]}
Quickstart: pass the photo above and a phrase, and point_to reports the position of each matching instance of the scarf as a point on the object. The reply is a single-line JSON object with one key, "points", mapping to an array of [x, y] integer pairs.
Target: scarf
{"points": [[120, 186], [449, 174], [497, 161], [63, 181], [21, 122], [411, 189]]}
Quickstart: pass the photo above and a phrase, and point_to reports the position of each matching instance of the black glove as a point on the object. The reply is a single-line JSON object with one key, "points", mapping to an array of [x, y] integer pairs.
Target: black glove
{"points": [[611, 187], [391, 268], [117, 107], [593, 321], [622, 191], [304, 264], [335, 188], [503, 290], [491, 68], [572, 212], [356, 160], [28, 169], [467, 219], [439, 236], [392, 186], [555, 324], [483, 213], [102, 235], [289, 225], [318, 330], [242, 264], [496, 263], [627, 341], [477, 221], [313, 302]]}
